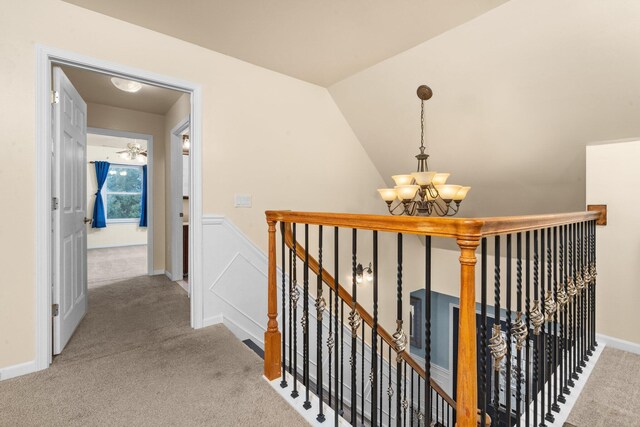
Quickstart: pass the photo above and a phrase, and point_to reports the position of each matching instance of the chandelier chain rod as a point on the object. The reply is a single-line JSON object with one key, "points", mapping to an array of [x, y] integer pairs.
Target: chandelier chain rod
{"points": [[422, 147]]}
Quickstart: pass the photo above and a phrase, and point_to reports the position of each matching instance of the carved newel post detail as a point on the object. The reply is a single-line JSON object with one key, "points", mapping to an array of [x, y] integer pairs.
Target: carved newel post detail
{"points": [[272, 337], [467, 386]]}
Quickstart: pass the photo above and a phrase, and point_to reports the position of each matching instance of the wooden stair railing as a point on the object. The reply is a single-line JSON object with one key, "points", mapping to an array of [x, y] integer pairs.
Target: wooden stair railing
{"points": [[576, 228]]}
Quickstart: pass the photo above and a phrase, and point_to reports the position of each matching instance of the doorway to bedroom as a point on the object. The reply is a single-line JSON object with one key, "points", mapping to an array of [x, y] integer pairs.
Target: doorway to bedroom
{"points": [[119, 191]]}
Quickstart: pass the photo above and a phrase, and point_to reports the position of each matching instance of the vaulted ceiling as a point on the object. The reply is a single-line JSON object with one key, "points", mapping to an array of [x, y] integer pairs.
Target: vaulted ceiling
{"points": [[318, 41]]}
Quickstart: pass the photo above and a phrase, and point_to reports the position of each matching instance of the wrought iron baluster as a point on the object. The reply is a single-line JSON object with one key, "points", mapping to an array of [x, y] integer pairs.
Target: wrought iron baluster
{"points": [[427, 328], [496, 342], [507, 391], [519, 328], [554, 359], [442, 408], [412, 411], [580, 285], [574, 321], [291, 260], [294, 296], [330, 346], [320, 306], [580, 300], [374, 336], [438, 413], [305, 320], [549, 308], [400, 339], [537, 318], [561, 299], [338, 342], [283, 382], [592, 267], [381, 393], [419, 414], [589, 270], [543, 359], [341, 356], [354, 322], [362, 375], [567, 312], [484, 367], [389, 388], [527, 308], [583, 296], [405, 403]]}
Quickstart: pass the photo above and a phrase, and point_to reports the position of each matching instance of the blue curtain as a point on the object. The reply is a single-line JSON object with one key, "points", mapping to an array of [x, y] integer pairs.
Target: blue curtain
{"points": [[143, 199], [99, 221]]}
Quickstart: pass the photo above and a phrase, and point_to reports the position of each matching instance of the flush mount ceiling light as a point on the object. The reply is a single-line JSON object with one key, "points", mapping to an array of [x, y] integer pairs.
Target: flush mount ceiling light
{"points": [[423, 192], [126, 85]]}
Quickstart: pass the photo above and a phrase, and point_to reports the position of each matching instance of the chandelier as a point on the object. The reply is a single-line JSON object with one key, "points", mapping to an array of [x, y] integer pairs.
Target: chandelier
{"points": [[423, 192]]}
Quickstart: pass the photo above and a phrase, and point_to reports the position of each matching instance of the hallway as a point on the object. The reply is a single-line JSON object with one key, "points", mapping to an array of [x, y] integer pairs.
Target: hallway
{"points": [[134, 360]]}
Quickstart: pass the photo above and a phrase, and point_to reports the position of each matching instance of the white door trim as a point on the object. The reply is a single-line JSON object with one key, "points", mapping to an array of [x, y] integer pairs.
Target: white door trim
{"points": [[150, 166], [45, 58], [175, 194]]}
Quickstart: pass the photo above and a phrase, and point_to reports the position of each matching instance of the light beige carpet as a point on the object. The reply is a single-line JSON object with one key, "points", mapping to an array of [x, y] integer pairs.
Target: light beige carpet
{"points": [[611, 396], [111, 265], [135, 361]]}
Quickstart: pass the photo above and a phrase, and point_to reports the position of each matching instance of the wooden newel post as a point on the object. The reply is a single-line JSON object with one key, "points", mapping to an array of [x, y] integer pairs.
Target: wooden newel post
{"points": [[467, 385], [272, 337]]}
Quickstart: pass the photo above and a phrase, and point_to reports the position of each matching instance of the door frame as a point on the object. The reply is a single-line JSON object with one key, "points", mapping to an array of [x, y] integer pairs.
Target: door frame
{"points": [[150, 166], [46, 58], [175, 194]]}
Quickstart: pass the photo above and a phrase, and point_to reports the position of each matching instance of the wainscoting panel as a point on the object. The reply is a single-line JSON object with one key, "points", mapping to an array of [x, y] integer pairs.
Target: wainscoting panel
{"points": [[235, 293]]}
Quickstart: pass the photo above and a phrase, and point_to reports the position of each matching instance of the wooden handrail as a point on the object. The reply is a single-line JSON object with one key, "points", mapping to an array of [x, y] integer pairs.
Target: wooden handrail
{"points": [[458, 228], [366, 317]]}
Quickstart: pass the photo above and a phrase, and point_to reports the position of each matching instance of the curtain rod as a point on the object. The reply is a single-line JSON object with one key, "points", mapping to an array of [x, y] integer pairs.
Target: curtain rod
{"points": [[123, 164]]}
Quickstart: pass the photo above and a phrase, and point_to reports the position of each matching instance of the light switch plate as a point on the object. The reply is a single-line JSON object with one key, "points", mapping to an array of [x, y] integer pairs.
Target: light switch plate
{"points": [[243, 200]]}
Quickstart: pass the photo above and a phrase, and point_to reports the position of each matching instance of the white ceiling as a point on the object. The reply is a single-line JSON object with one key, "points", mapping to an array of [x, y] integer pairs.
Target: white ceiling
{"points": [[97, 88], [318, 41]]}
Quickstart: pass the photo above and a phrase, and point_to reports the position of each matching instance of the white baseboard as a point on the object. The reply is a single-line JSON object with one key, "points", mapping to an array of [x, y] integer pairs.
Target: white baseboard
{"points": [[158, 272], [242, 333], [17, 370], [619, 344], [214, 320]]}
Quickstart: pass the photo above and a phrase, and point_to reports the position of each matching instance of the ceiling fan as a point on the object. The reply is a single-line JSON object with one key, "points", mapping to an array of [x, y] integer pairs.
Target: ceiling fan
{"points": [[134, 151]]}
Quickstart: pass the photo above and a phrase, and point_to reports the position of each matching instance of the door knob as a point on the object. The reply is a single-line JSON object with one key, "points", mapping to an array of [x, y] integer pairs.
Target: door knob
{"points": [[87, 220]]}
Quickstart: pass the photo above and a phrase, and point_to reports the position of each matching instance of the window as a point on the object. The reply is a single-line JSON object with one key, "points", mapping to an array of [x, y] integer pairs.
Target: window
{"points": [[123, 193]]}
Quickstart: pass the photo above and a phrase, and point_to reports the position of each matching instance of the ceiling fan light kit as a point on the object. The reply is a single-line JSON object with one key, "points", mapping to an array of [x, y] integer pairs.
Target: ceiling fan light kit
{"points": [[135, 152]]}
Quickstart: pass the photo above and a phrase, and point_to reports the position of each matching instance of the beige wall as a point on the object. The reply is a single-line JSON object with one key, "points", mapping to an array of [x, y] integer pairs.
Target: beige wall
{"points": [[518, 93], [280, 139], [107, 117], [115, 234], [613, 178], [179, 111]]}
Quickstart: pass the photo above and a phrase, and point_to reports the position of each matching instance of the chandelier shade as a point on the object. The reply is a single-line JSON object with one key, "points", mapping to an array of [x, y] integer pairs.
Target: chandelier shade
{"points": [[423, 192]]}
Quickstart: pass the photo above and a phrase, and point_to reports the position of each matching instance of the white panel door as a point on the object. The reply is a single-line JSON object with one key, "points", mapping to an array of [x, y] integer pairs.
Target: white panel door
{"points": [[70, 237]]}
